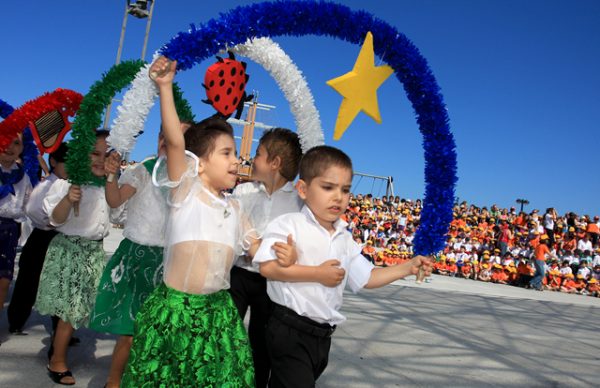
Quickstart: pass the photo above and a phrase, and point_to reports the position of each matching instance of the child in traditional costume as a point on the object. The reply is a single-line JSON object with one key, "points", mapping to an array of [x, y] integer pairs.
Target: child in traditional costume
{"points": [[135, 268], [75, 258], [189, 332]]}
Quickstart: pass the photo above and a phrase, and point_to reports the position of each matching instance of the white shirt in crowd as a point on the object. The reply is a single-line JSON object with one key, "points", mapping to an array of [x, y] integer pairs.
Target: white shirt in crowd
{"points": [[565, 270], [585, 272], [583, 245], [13, 206], [35, 206], [596, 261], [263, 208], [314, 245], [93, 221], [548, 221]]}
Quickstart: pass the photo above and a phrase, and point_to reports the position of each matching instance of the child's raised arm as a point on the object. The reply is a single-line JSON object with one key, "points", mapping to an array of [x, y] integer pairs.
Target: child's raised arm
{"points": [[163, 72]]}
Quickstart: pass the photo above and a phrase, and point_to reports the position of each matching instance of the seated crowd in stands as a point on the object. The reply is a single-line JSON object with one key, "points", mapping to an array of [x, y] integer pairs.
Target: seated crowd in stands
{"points": [[490, 245]]}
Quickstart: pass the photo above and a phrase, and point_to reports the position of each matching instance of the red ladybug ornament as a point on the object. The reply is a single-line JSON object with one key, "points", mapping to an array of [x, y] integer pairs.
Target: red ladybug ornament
{"points": [[225, 84]]}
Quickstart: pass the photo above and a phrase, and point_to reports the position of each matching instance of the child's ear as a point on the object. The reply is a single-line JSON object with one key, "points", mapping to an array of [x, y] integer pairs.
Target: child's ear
{"points": [[276, 163], [301, 187]]}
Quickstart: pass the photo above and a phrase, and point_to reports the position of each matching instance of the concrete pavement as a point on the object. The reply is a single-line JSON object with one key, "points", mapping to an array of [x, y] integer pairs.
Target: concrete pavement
{"points": [[450, 332]]}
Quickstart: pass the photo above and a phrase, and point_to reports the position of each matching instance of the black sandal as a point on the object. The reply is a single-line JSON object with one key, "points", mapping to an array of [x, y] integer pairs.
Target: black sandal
{"points": [[58, 376]]}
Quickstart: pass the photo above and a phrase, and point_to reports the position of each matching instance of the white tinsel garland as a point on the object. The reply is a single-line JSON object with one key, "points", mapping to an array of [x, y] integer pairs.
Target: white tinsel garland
{"points": [[269, 55], [139, 99], [133, 111]]}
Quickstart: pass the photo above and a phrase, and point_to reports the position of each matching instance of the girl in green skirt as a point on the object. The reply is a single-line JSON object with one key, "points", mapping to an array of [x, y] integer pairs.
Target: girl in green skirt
{"points": [[74, 260], [135, 269], [188, 332]]}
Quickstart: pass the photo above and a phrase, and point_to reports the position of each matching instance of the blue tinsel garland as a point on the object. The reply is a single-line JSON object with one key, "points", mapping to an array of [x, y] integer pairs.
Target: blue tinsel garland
{"points": [[31, 165], [299, 18]]}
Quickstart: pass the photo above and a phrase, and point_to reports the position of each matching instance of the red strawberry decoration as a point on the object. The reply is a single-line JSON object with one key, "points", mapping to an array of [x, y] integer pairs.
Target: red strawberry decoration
{"points": [[225, 84]]}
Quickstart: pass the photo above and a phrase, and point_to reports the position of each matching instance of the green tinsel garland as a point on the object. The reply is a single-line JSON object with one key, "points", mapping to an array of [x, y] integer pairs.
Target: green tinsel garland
{"points": [[89, 118]]}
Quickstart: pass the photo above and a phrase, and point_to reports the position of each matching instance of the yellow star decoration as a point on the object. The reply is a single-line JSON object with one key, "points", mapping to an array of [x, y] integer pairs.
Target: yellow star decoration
{"points": [[359, 88]]}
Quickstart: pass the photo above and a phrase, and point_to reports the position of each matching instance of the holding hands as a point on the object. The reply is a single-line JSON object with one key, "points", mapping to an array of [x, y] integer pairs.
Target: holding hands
{"points": [[330, 274], [286, 252]]}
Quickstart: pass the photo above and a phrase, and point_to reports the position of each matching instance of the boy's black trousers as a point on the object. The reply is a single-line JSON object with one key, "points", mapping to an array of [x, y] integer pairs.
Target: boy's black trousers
{"points": [[249, 289]]}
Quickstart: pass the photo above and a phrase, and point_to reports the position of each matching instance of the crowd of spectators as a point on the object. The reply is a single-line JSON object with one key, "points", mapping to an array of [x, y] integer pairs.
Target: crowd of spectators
{"points": [[486, 244]]}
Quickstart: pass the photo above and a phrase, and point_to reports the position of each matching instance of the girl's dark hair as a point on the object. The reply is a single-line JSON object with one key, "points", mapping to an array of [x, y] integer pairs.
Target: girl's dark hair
{"points": [[102, 133], [200, 138]]}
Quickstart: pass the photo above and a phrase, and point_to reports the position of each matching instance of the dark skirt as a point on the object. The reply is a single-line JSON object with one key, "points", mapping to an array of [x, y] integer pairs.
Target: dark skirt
{"points": [[10, 231]]}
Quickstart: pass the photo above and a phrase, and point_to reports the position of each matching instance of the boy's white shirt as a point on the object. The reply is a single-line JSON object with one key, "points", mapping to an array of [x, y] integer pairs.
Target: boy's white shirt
{"points": [[314, 245], [263, 208], [13, 205]]}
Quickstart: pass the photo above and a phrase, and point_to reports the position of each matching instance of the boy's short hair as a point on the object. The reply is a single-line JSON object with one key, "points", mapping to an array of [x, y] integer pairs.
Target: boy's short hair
{"points": [[283, 143], [200, 138], [320, 158]]}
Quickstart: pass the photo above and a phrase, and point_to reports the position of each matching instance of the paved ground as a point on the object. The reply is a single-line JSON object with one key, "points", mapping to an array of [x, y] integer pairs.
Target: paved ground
{"points": [[450, 332]]}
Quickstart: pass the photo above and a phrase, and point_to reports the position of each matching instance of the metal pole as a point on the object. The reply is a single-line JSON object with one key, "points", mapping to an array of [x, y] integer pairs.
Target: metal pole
{"points": [[148, 23], [119, 51]]}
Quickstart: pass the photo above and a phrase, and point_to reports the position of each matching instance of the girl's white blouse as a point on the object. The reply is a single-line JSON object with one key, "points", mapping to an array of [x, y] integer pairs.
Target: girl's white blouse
{"points": [[205, 233]]}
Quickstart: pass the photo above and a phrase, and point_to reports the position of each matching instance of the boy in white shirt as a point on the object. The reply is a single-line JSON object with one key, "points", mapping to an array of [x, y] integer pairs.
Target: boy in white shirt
{"points": [[307, 295], [272, 194]]}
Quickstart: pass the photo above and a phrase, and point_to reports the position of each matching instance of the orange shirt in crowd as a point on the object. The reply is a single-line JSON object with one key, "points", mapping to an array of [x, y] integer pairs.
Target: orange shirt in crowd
{"points": [[466, 269], [579, 284], [451, 268], [593, 287], [592, 228], [541, 251], [570, 245], [369, 250], [522, 268], [496, 272], [569, 284], [555, 281]]}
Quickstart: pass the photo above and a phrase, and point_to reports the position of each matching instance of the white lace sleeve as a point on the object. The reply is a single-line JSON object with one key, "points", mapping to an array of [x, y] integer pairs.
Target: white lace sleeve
{"points": [[136, 176], [180, 189], [56, 193], [247, 231], [160, 175]]}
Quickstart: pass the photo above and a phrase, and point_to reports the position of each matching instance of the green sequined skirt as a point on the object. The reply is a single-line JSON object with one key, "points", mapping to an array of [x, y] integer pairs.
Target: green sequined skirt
{"points": [[186, 340], [131, 274], [70, 278]]}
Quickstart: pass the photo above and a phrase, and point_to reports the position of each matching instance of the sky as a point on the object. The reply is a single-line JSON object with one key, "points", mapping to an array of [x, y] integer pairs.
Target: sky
{"points": [[520, 80]]}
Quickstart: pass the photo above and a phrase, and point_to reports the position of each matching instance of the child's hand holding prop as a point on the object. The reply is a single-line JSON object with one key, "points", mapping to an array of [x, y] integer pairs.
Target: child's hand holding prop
{"points": [[424, 268]]}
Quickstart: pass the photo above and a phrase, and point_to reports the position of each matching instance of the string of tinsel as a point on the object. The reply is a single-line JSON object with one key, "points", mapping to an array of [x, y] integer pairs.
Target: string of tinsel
{"points": [[89, 118], [17, 121], [300, 18], [31, 165], [135, 107]]}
